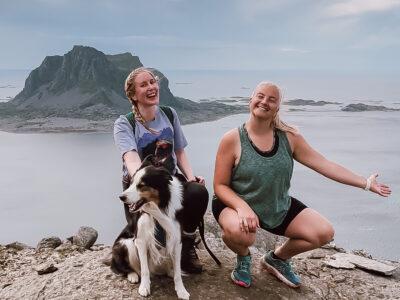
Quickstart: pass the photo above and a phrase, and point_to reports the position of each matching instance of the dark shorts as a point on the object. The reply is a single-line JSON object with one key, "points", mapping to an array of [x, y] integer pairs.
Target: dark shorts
{"points": [[295, 208]]}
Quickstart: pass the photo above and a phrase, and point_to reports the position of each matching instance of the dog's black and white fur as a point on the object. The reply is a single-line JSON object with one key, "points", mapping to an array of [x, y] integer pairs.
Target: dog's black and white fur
{"points": [[154, 194]]}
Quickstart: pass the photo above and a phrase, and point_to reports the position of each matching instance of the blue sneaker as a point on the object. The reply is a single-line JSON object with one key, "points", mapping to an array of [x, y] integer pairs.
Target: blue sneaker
{"points": [[281, 269], [241, 275]]}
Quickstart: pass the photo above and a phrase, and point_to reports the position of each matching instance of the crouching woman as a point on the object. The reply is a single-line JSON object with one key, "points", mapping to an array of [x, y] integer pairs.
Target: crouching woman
{"points": [[253, 170]]}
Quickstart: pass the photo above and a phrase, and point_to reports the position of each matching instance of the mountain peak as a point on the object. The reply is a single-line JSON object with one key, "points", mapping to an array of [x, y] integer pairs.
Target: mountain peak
{"points": [[73, 82]]}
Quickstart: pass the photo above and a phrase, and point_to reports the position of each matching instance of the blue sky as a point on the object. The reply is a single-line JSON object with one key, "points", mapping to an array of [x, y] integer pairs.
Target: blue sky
{"points": [[210, 34]]}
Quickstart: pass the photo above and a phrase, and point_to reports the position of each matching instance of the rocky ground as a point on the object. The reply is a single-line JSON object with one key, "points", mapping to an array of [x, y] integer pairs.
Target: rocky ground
{"points": [[73, 272]]}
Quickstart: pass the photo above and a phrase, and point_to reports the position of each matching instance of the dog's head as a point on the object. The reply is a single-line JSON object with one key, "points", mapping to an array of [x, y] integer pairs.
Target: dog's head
{"points": [[150, 184], [163, 155]]}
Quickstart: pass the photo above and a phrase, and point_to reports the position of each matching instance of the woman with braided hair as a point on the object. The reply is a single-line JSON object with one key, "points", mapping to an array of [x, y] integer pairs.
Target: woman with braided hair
{"points": [[151, 126]]}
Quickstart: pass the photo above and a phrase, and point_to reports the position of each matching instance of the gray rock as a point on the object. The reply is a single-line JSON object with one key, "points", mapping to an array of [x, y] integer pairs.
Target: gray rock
{"points": [[333, 246], [4, 285], [345, 260], [362, 252], [45, 268], [339, 263], [49, 242], [86, 237], [339, 279], [18, 246], [317, 254]]}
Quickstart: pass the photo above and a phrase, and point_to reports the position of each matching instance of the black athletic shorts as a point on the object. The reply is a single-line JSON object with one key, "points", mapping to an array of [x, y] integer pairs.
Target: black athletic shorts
{"points": [[295, 208]]}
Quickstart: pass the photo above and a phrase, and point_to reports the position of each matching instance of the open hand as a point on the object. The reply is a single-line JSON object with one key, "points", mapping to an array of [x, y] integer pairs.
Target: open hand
{"points": [[379, 188]]}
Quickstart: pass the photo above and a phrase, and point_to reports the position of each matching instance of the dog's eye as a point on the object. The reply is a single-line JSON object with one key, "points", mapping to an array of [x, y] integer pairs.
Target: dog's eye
{"points": [[140, 185]]}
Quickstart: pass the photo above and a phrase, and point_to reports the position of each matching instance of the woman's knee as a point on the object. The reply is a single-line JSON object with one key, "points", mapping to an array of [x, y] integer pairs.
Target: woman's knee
{"points": [[231, 232], [235, 235], [323, 236], [326, 235], [309, 225]]}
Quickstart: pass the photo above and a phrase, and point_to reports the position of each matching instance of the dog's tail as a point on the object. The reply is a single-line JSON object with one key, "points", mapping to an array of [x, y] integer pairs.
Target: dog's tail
{"points": [[119, 263], [201, 230], [119, 267]]}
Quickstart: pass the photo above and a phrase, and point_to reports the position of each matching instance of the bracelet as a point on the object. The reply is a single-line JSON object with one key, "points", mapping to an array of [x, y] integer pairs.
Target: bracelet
{"points": [[369, 181]]}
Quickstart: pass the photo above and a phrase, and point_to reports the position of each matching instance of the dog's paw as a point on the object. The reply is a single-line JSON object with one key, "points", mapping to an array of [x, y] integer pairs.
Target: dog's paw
{"points": [[133, 277], [144, 289], [183, 294]]}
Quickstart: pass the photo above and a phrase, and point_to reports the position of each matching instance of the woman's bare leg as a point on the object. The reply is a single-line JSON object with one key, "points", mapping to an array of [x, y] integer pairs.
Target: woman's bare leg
{"points": [[308, 230], [237, 240]]}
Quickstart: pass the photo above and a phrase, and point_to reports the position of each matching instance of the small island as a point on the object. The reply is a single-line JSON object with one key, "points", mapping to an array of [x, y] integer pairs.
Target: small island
{"points": [[302, 102], [83, 90], [364, 107]]}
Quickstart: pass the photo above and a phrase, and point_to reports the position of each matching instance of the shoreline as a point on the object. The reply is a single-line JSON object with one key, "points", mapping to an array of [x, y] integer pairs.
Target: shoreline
{"points": [[97, 123], [81, 125]]}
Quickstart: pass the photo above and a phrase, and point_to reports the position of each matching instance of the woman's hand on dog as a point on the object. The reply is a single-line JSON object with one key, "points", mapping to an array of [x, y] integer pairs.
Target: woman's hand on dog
{"points": [[198, 179]]}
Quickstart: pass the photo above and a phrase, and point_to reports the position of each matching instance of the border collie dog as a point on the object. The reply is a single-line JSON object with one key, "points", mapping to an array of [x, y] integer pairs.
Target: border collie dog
{"points": [[153, 196]]}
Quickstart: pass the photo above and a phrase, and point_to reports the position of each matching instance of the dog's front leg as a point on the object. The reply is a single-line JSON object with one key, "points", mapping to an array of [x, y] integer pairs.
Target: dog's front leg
{"points": [[176, 261], [140, 242]]}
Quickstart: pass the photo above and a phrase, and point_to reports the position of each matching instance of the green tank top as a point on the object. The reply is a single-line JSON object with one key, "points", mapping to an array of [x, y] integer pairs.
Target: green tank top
{"points": [[264, 182]]}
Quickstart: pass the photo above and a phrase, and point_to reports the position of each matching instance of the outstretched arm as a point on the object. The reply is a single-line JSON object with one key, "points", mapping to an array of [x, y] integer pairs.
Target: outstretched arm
{"points": [[306, 155]]}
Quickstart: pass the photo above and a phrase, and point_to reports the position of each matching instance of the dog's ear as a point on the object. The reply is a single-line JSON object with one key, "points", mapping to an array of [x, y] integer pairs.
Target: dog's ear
{"points": [[159, 162], [149, 160], [164, 172]]}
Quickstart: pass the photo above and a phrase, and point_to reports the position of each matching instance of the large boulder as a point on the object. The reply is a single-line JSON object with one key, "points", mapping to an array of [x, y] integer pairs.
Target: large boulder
{"points": [[49, 243], [85, 237]]}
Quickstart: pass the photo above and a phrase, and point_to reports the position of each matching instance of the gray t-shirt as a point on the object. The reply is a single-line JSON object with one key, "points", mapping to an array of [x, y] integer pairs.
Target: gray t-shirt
{"points": [[143, 141]]}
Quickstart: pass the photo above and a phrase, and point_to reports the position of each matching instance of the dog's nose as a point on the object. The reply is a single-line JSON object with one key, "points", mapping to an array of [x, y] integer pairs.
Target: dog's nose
{"points": [[123, 198]]}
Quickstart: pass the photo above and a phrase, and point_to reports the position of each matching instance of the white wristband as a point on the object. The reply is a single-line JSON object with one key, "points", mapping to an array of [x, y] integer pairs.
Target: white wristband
{"points": [[369, 181]]}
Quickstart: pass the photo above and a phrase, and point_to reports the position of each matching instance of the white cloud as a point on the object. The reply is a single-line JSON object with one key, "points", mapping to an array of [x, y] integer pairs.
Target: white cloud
{"points": [[359, 7]]}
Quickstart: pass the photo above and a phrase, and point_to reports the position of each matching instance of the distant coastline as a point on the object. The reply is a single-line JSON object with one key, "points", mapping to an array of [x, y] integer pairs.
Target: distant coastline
{"points": [[57, 124], [63, 123]]}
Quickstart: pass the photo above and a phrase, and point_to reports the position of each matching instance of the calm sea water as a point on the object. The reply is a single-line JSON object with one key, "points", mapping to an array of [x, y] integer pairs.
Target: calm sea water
{"points": [[50, 184]]}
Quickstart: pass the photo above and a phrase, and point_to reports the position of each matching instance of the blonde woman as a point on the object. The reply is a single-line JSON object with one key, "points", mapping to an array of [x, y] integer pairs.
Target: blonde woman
{"points": [[253, 169], [150, 126]]}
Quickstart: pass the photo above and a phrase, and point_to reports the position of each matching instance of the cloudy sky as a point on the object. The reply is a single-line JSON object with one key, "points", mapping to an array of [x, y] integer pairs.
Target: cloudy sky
{"points": [[208, 34]]}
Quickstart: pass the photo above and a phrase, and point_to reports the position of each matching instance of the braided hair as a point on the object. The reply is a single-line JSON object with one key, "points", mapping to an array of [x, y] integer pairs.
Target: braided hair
{"points": [[130, 93]]}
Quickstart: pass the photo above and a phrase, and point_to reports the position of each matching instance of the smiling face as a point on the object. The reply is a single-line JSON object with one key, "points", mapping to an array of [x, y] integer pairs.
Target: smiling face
{"points": [[265, 101], [146, 89]]}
